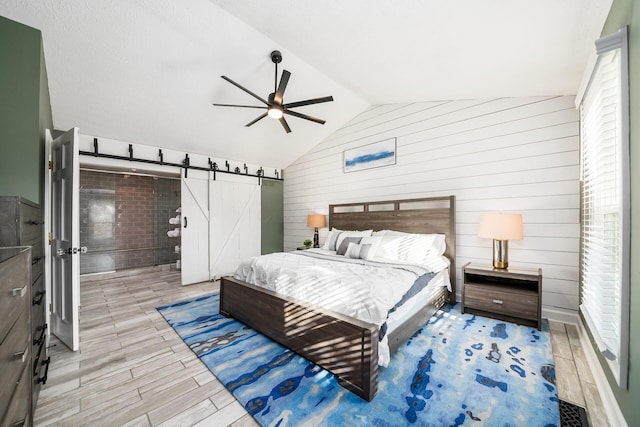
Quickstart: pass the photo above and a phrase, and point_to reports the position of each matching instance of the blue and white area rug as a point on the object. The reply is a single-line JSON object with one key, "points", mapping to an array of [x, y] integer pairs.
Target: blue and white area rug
{"points": [[459, 369]]}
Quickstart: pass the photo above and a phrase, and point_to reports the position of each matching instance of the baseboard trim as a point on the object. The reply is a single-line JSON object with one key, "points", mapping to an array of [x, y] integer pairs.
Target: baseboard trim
{"points": [[611, 407], [560, 315]]}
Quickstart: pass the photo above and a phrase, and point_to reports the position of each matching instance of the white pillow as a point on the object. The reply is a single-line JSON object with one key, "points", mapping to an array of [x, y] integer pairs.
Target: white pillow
{"points": [[359, 251], [332, 239], [375, 242], [344, 234], [436, 242], [413, 248]]}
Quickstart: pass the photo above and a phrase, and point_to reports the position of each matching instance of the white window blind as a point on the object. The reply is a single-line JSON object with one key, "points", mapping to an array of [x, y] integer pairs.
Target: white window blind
{"points": [[604, 257]]}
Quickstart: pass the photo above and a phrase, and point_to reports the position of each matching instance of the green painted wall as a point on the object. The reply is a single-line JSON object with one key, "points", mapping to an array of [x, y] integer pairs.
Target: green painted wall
{"points": [[272, 200], [624, 13], [25, 111]]}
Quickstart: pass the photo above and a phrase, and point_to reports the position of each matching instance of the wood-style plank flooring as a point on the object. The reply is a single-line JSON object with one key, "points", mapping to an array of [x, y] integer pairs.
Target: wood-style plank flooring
{"points": [[132, 369]]}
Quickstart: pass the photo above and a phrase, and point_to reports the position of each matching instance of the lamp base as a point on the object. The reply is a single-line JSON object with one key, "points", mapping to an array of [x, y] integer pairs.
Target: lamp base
{"points": [[316, 239], [500, 254]]}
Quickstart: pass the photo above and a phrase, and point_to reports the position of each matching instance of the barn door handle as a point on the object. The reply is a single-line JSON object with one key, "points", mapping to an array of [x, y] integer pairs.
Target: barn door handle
{"points": [[185, 222]]}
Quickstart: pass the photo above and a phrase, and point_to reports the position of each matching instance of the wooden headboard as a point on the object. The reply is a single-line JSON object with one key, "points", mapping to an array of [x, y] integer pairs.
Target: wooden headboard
{"points": [[423, 216]]}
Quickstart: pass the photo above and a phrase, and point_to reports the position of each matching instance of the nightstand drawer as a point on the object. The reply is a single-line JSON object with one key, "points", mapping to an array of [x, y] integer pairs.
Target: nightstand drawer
{"points": [[518, 304]]}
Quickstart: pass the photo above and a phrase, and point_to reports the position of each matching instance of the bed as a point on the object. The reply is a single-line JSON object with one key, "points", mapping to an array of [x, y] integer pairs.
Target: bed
{"points": [[343, 345]]}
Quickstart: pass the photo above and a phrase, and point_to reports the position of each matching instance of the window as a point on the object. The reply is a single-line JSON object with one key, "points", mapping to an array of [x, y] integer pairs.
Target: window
{"points": [[605, 231]]}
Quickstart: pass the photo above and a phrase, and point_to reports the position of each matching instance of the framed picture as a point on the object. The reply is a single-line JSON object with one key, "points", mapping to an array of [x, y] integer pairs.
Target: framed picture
{"points": [[374, 155]]}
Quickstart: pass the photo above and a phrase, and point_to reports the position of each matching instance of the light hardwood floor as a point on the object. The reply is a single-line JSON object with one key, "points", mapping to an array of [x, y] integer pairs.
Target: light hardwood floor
{"points": [[132, 368]]}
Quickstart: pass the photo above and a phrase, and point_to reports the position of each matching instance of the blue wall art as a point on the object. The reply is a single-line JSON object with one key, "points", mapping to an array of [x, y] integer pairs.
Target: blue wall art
{"points": [[374, 155]]}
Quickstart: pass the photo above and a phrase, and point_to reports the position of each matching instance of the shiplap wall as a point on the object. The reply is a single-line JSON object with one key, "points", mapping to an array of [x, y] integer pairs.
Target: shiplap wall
{"points": [[516, 155]]}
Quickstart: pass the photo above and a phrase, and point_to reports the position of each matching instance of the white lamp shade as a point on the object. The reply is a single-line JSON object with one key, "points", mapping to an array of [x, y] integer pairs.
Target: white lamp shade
{"points": [[500, 226]]}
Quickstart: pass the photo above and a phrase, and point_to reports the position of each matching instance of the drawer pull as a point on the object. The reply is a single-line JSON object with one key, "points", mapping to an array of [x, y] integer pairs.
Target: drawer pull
{"points": [[37, 299], [21, 355], [19, 292], [498, 301], [45, 363], [40, 340]]}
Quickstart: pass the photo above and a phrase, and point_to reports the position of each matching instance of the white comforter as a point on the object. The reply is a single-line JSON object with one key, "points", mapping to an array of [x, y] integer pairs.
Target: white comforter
{"points": [[361, 289]]}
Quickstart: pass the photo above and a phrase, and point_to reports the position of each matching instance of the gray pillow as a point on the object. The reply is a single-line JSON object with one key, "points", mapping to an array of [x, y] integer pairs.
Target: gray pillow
{"points": [[345, 244]]}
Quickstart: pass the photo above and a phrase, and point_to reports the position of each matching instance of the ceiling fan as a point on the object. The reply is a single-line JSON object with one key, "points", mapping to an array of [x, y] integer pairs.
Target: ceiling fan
{"points": [[276, 108]]}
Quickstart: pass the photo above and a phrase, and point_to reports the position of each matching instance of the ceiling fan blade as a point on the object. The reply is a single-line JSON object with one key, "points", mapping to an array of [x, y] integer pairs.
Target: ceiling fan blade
{"points": [[304, 116], [241, 106], [245, 89], [285, 125], [256, 120], [281, 87], [309, 102]]}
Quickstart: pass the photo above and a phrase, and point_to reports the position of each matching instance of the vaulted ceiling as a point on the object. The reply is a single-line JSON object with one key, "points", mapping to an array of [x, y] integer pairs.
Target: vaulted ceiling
{"points": [[148, 71]]}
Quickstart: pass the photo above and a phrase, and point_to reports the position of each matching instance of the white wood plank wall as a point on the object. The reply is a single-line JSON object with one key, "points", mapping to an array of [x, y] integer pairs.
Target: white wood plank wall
{"points": [[516, 155]]}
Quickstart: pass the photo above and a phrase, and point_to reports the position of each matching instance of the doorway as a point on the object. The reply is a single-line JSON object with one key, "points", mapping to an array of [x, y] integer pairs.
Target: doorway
{"points": [[128, 221]]}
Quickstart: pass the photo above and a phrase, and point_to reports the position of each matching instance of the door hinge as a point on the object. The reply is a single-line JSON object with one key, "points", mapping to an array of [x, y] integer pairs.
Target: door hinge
{"points": [[50, 164], [50, 239], [50, 308]]}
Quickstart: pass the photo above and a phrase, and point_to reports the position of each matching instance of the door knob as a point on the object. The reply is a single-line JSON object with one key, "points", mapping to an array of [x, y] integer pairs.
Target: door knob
{"points": [[71, 251]]}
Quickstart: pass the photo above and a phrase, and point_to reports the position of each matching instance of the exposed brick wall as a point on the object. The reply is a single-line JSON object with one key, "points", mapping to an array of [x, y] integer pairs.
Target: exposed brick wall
{"points": [[134, 222], [139, 208]]}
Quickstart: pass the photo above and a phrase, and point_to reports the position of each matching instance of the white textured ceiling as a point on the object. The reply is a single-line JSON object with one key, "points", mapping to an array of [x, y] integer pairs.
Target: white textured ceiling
{"points": [[147, 71]]}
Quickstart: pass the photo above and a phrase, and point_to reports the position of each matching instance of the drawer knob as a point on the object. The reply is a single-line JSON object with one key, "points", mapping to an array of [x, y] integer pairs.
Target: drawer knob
{"points": [[497, 301], [19, 292]]}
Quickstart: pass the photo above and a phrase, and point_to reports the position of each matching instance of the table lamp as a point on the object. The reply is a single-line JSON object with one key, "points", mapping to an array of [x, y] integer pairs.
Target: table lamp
{"points": [[316, 221], [501, 228]]}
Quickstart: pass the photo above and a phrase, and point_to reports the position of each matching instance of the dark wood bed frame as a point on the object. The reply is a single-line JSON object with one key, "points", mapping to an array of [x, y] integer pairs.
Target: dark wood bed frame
{"points": [[344, 346]]}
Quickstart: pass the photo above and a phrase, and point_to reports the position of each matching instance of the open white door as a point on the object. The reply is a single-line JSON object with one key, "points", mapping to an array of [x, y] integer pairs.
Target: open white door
{"points": [[195, 229], [235, 223], [64, 259]]}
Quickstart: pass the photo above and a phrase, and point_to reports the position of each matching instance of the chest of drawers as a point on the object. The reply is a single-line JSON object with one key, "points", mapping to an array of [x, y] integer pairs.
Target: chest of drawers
{"points": [[21, 224], [15, 336]]}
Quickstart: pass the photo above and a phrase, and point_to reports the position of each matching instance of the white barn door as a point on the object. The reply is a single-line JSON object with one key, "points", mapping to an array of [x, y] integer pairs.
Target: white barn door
{"points": [[194, 228], [235, 223]]}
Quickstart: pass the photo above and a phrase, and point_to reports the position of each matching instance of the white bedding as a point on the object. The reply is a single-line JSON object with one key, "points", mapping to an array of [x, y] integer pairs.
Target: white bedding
{"points": [[365, 290]]}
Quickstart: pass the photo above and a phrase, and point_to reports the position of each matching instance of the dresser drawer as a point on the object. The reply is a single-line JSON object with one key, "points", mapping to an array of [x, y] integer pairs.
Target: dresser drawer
{"points": [[15, 354], [14, 287], [507, 302], [30, 224], [18, 412]]}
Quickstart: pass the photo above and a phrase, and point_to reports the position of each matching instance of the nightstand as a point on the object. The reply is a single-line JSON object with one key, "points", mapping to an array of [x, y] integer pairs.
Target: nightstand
{"points": [[513, 294]]}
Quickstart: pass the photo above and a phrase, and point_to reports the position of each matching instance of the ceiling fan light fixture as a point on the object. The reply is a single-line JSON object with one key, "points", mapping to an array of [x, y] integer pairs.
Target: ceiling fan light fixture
{"points": [[275, 112]]}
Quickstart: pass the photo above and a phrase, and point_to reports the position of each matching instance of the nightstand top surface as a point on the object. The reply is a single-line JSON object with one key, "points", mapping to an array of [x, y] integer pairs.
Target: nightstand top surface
{"points": [[512, 270]]}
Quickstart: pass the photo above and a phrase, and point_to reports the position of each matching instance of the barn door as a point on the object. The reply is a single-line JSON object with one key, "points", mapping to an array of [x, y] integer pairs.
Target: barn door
{"points": [[195, 228], [235, 223]]}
